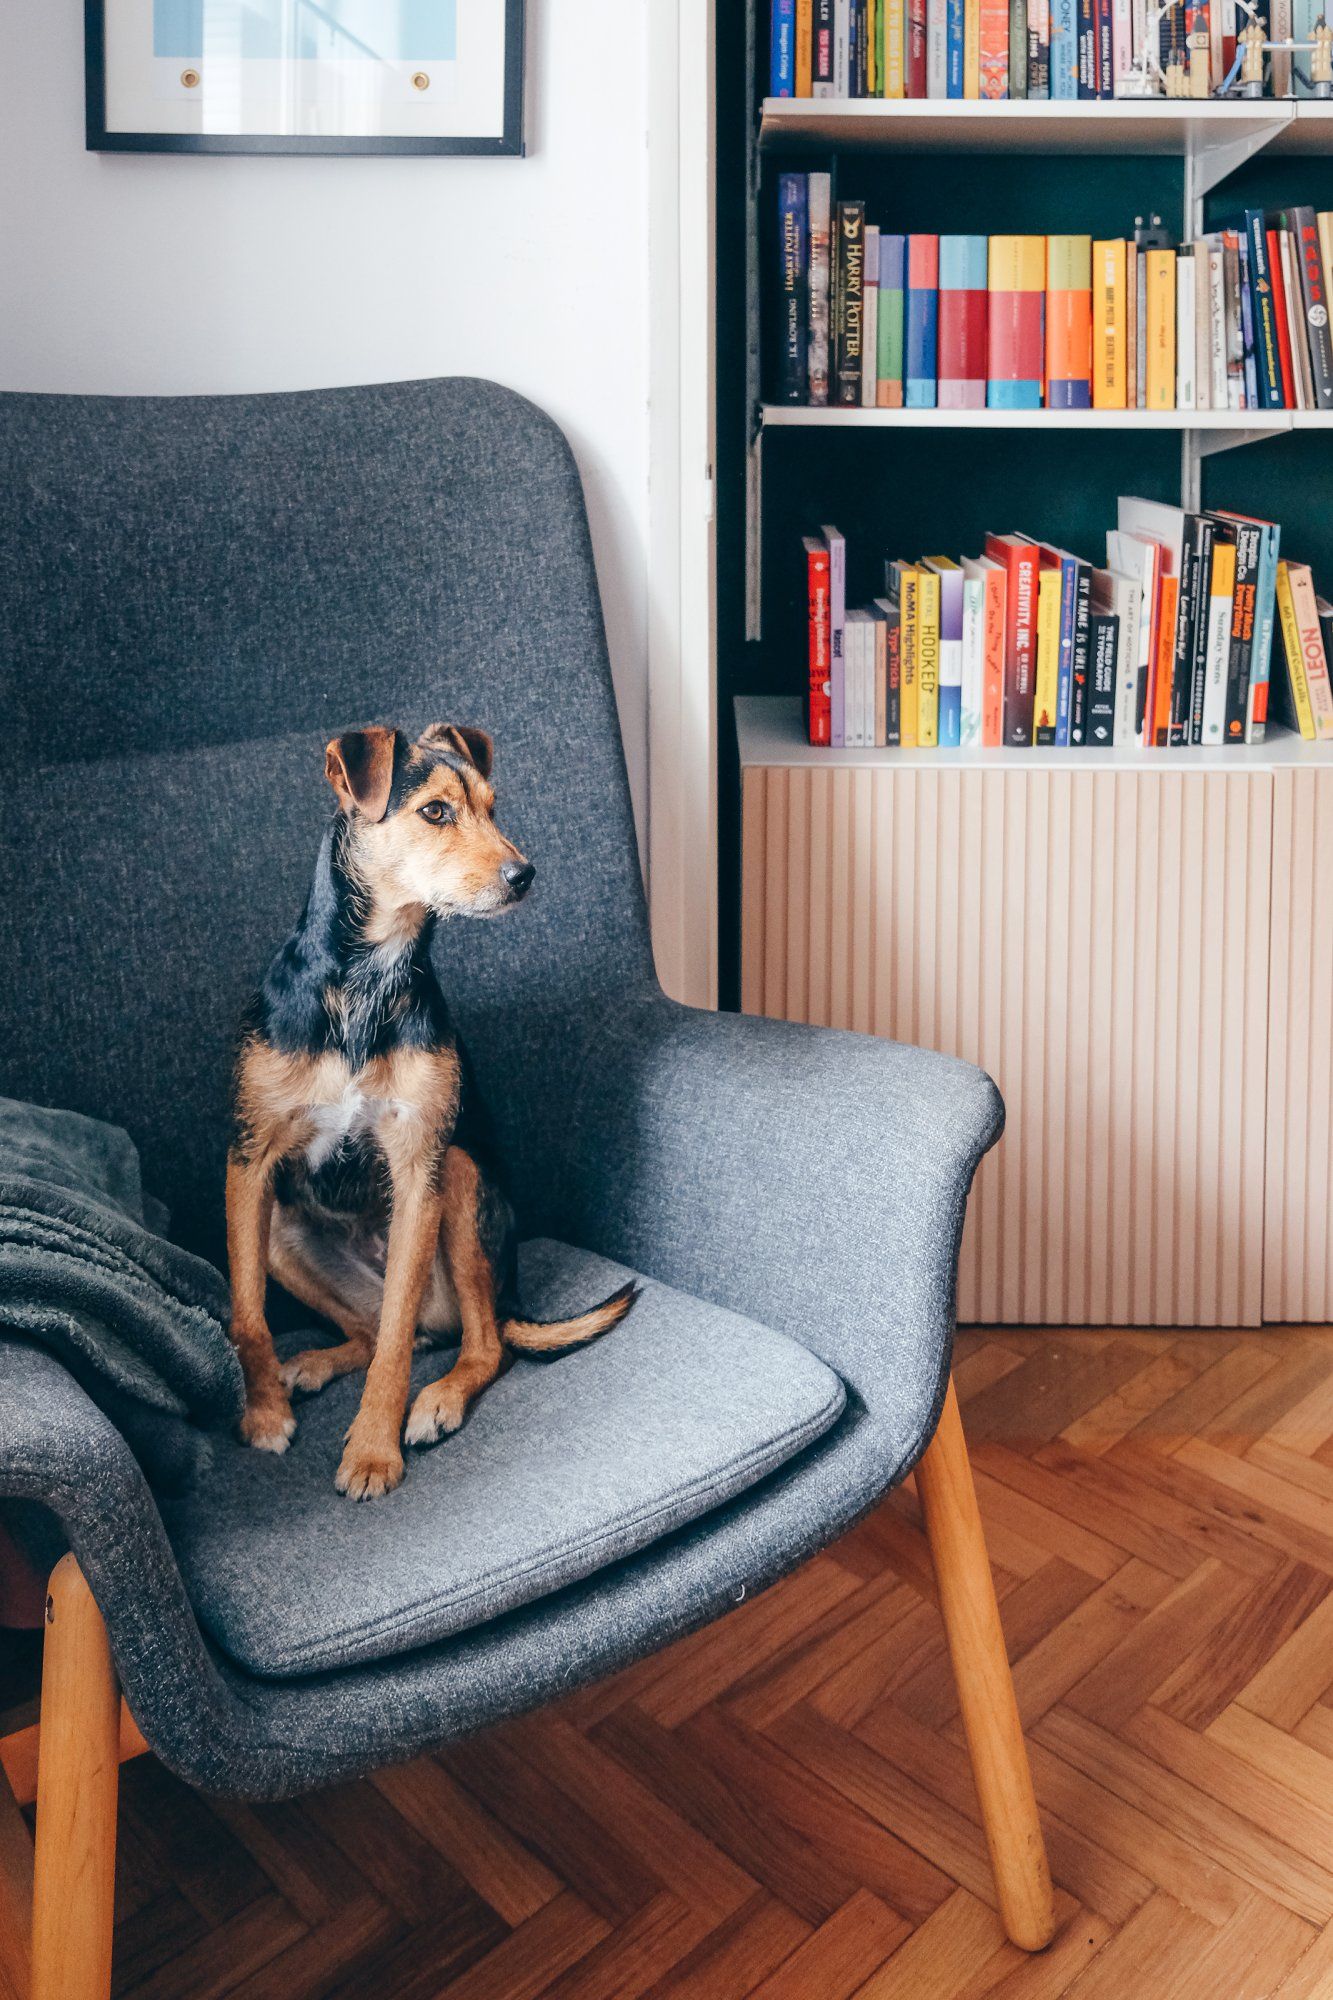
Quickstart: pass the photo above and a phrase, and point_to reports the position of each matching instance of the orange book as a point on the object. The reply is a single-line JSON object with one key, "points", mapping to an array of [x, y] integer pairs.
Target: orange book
{"points": [[1166, 659]]}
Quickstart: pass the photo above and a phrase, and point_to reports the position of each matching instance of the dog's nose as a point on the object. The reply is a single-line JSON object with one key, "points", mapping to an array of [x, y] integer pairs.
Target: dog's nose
{"points": [[518, 877]]}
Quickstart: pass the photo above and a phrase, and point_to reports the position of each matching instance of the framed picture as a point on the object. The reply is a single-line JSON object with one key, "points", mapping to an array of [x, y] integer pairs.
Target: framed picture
{"points": [[304, 76]]}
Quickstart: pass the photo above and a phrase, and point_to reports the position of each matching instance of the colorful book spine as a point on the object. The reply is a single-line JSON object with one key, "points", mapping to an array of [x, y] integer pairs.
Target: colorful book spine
{"points": [[908, 583], [1265, 624], [874, 65], [1282, 322], [1314, 303], [1064, 50], [949, 583], [842, 48], [804, 48], [1311, 637], [927, 659], [1109, 376], [1267, 356], [994, 50], [891, 616], [1294, 655], [1249, 540], [870, 321], [1122, 39], [819, 696], [937, 48], [962, 323], [848, 301], [1048, 656], [923, 276], [1105, 32], [954, 37], [892, 320], [1104, 667], [1018, 48], [916, 48], [1075, 596], [893, 13], [992, 687], [974, 656], [1017, 272], [1217, 638], [972, 13], [1039, 49], [837, 618], [793, 354], [782, 49], [1160, 329], [1086, 42], [821, 53], [818, 203], [1018, 559], [1069, 322], [1164, 664], [1185, 330]]}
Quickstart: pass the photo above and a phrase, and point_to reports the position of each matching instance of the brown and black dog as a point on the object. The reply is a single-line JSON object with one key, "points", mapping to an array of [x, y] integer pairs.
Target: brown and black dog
{"points": [[360, 1174]]}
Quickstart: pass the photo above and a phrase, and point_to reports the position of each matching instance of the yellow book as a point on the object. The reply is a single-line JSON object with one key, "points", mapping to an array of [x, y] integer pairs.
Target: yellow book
{"points": [[927, 659], [868, 26], [895, 28], [1047, 688], [1291, 646], [971, 48], [805, 48], [1108, 325], [907, 717], [1161, 329]]}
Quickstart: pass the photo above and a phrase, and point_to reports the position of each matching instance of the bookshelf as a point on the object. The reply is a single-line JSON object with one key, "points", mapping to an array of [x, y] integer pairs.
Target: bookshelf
{"points": [[1020, 908]]}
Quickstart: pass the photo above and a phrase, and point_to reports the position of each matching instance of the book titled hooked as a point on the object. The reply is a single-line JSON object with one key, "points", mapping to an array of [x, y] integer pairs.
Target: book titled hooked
{"points": [[1069, 322], [923, 275], [1017, 298], [963, 314]]}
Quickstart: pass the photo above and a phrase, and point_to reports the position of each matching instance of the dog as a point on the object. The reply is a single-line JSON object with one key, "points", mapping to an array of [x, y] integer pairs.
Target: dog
{"points": [[361, 1174]]}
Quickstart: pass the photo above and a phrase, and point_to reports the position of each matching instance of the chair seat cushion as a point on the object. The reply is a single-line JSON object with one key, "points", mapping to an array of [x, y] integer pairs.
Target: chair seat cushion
{"points": [[566, 1464]]}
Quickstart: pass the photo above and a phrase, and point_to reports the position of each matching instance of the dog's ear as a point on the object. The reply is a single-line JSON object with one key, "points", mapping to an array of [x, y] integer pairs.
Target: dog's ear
{"points": [[474, 744], [359, 766]]}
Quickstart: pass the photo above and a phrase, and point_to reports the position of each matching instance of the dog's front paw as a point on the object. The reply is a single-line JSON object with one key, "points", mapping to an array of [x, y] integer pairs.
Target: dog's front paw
{"points": [[368, 1471], [439, 1409], [268, 1423], [306, 1373]]}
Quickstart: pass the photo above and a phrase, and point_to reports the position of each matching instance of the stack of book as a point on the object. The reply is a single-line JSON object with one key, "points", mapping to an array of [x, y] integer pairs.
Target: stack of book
{"points": [[1167, 643], [1238, 320], [988, 49]]}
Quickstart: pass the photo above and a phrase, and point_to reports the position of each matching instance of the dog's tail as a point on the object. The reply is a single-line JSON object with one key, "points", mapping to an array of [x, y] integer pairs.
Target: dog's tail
{"points": [[537, 1336]]}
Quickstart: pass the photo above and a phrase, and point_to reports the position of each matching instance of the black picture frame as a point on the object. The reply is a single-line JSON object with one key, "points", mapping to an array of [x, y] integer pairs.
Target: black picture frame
{"points": [[98, 140]]}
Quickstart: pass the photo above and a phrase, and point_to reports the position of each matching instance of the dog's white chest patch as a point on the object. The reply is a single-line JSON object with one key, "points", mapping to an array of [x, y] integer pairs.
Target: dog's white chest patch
{"points": [[354, 1115]]}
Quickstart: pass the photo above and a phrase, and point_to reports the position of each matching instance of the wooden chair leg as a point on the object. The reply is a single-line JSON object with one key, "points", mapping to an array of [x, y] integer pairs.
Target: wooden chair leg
{"points": [[985, 1688], [15, 1898], [78, 1777]]}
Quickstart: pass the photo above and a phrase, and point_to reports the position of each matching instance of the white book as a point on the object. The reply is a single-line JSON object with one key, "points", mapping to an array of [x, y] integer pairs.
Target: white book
{"points": [[1185, 338], [974, 651], [870, 320], [1203, 367], [1217, 329], [1300, 353], [1121, 596], [1122, 39], [1139, 26], [1136, 557], [842, 48], [1217, 659], [937, 48], [858, 631]]}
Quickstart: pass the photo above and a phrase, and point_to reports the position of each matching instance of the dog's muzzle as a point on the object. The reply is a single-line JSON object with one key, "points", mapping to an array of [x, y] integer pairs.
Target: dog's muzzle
{"points": [[518, 878]]}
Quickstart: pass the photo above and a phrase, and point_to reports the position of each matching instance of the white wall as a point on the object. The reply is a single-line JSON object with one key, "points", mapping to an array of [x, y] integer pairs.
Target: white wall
{"points": [[132, 274]]}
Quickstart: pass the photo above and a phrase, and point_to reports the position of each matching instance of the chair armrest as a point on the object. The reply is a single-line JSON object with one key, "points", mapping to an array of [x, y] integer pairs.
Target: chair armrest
{"points": [[812, 1179]]}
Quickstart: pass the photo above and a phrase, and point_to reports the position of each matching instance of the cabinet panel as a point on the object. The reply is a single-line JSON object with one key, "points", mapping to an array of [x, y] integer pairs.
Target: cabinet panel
{"points": [[1099, 943]]}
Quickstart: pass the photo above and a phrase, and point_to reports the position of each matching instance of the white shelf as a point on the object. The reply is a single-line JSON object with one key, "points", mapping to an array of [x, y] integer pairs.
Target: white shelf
{"points": [[1125, 125], [1237, 426], [770, 733]]}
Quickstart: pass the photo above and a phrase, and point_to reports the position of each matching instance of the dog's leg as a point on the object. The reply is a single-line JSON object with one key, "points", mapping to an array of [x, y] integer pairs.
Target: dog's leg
{"points": [[268, 1423], [372, 1460], [293, 1262], [442, 1405]]}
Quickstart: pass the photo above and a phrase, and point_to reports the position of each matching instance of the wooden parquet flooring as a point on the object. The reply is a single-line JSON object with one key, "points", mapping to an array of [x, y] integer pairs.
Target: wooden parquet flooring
{"points": [[781, 1807]]}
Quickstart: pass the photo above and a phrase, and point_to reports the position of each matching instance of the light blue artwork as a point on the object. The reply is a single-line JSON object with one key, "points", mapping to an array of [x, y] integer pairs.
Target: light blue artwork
{"points": [[307, 30]]}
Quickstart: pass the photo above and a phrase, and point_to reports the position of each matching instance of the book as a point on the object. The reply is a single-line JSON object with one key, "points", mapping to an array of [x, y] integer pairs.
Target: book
{"points": [[1108, 325], [962, 323], [860, 670], [1203, 331], [892, 306], [848, 301], [1105, 49], [993, 578], [1018, 48], [804, 82], [1136, 305], [1165, 662], [923, 271], [1160, 323], [954, 34], [880, 641], [949, 586], [1039, 49], [972, 11], [894, 16], [1122, 41], [994, 49], [1048, 656], [1135, 561], [1198, 574], [916, 48], [1314, 303], [1267, 356], [1064, 49], [1248, 540], [937, 48], [818, 204], [1118, 594], [1311, 639], [819, 702], [1281, 322], [974, 655], [782, 49], [1103, 652], [837, 601], [1217, 635], [1235, 335], [1018, 559], [1085, 28], [1298, 346], [793, 351], [890, 616], [870, 320], [1294, 656], [1017, 284], [927, 657], [1265, 622], [901, 580], [1186, 336], [842, 48], [821, 52], [1069, 322]]}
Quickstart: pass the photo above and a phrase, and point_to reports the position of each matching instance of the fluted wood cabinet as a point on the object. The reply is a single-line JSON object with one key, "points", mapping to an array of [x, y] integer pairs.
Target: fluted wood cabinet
{"points": [[1134, 947]]}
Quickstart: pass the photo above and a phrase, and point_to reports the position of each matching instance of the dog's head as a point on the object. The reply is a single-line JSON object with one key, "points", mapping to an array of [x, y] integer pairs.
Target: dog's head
{"points": [[422, 821]]}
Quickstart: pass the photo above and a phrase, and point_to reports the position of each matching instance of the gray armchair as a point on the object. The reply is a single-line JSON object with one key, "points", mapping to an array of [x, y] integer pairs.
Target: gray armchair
{"points": [[197, 593]]}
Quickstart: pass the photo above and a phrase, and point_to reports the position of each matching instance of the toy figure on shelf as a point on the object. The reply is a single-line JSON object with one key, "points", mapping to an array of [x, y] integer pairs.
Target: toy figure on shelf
{"points": [[1321, 59], [1200, 81], [1246, 77], [1165, 36], [1251, 43]]}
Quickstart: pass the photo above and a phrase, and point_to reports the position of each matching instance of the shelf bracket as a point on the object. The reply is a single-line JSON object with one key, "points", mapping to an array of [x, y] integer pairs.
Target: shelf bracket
{"points": [[1212, 155], [1208, 442]]}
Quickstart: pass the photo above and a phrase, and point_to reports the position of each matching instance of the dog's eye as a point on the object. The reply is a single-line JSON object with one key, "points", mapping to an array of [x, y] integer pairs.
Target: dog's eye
{"points": [[437, 812]]}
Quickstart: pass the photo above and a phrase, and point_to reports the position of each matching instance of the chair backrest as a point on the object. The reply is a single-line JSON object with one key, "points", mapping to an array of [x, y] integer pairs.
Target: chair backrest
{"points": [[195, 594]]}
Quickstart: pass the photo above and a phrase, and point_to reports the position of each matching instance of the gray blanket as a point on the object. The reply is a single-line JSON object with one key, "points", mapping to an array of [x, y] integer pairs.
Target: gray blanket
{"points": [[86, 1269]]}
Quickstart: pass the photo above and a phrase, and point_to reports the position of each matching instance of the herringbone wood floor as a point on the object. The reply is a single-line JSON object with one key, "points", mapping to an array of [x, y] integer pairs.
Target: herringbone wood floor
{"points": [[781, 1806]]}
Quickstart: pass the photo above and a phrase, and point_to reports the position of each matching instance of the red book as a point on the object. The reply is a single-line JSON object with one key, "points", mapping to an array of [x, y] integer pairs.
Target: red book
{"points": [[1019, 562], [1280, 315], [819, 703], [916, 48]]}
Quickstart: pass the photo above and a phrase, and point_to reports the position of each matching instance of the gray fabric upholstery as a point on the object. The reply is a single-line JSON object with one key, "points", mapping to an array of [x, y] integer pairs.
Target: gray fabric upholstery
{"points": [[565, 1465], [247, 575]]}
